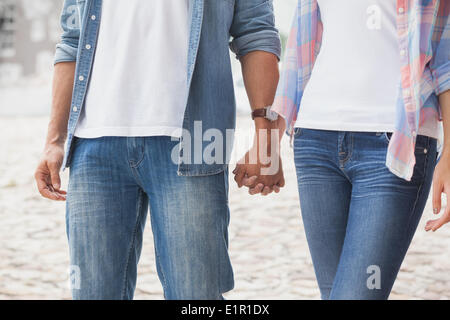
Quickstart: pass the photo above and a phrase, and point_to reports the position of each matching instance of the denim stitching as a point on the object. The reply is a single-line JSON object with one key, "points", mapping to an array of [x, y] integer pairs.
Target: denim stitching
{"points": [[133, 242], [350, 151], [297, 132], [419, 192], [136, 164], [158, 258]]}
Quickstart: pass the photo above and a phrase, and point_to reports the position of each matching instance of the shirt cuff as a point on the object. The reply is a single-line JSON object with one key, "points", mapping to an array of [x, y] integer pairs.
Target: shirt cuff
{"points": [[266, 40], [65, 53]]}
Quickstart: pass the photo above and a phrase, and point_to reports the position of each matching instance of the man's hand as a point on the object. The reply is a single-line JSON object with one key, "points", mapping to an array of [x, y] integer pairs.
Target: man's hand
{"points": [[47, 173], [261, 175], [261, 169]]}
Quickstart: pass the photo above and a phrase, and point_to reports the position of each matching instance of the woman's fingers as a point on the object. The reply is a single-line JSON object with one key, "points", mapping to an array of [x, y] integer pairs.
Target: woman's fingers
{"points": [[256, 190], [249, 181], [266, 191], [436, 224], [437, 192]]}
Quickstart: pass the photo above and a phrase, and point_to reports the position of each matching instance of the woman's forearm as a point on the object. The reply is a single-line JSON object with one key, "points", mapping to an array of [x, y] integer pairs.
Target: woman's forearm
{"points": [[444, 101]]}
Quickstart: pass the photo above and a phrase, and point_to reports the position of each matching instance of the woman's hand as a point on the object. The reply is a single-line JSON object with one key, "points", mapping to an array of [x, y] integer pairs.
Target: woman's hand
{"points": [[441, 181], [441, 184]]}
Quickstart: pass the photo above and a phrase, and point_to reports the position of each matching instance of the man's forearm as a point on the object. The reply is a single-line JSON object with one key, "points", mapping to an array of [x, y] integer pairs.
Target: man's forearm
{"points": [[444, 101], [261, 76], [62, 95]]}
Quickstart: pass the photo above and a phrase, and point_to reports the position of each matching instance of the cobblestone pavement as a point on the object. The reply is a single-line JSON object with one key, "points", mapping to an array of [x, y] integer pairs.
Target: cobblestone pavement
{"points": [[268, 246]]}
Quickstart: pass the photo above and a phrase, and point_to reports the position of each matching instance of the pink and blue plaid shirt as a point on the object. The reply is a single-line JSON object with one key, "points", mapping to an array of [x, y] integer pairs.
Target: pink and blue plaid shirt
{"points": [[424, 46]]}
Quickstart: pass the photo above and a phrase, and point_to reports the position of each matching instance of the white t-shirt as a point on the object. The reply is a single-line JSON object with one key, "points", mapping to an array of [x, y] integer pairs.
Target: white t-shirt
{"points": [[138, 85], [355, 82]]}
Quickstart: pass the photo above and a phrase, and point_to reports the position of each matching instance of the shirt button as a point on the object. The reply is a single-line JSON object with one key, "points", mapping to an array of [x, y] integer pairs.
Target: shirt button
{"points": [[88, 46], [401, 10], [414, 133], [75, 109], [425, 151], [402, 52], [81, 78], [93, 17]]}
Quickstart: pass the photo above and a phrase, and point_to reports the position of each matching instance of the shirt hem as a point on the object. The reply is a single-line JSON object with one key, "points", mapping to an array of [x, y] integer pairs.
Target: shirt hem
{"points": [[94, 133]]}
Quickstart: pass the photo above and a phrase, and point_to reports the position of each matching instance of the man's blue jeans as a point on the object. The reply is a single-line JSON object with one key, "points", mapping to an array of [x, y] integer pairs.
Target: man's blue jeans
{"points": [[359, 218], [113, 181]]}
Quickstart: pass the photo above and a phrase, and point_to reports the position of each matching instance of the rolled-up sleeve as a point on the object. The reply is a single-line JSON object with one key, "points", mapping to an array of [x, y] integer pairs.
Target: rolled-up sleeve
{"points": [[253, 28], [440, 63], [67, 48]]}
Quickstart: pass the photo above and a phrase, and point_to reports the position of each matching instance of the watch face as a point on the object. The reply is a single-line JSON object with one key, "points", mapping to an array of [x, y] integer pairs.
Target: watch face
{"points": [[271, 115]]}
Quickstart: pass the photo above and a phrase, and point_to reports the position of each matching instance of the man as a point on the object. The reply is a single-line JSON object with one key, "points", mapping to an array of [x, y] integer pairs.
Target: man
{"points": [[149, 74]]}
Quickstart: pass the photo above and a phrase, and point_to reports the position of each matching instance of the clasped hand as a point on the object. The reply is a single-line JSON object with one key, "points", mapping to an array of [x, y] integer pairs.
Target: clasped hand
{"points": [[261, 169]]}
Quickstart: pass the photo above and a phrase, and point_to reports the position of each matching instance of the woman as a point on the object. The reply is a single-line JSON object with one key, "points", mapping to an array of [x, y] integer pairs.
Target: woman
{"points": [[364, 89]]}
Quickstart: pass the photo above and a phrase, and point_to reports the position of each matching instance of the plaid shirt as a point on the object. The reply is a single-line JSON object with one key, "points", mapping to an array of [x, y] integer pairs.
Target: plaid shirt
{"points": [[424, 46]]}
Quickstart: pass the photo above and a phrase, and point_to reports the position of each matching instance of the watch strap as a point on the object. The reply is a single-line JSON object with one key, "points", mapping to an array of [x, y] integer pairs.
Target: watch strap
{"points": [[259, 113]]}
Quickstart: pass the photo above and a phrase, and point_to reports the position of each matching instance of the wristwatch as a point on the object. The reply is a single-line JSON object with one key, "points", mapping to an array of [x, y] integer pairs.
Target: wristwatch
{"points": [[265, 113]]}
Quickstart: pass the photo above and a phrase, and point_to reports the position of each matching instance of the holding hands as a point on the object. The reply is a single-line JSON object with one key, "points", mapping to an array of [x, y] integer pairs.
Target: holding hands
{"points": [[261, 169]]}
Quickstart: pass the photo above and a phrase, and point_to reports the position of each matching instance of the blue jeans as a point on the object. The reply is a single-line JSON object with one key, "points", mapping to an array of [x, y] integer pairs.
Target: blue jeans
{"points": [[113, 182], [359, 217]]}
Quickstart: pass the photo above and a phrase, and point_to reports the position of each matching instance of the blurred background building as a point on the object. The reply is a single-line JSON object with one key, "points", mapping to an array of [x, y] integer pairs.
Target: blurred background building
{"points": [[29, 31]]}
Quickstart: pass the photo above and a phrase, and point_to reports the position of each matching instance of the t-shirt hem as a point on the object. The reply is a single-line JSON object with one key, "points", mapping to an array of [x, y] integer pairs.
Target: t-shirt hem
{"points": [[353, 127], [93, 133]]}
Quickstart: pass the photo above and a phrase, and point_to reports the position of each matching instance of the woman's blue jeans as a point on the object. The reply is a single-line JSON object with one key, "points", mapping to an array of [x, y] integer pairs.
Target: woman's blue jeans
{"points": [[359, 217]]}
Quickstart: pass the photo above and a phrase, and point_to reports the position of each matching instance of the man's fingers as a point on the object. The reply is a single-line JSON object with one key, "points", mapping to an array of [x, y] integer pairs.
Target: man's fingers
{"points": [[53, 195], [239, 175], [42, 185], [54, 176], [437, 192], [46, 191], [276, 189], [282, 182], [45, 185]]}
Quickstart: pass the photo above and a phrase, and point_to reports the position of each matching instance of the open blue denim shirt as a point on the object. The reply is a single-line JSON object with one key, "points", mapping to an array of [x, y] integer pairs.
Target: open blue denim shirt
{"points": [[250, 24]]}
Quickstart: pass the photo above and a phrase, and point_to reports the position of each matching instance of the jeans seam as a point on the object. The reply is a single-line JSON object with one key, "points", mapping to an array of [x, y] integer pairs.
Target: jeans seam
{"points": [[136, 164], [347, 158], [350, 151], [219, 221], [419, 192], [158, 257], [133, 243], [158, 261]]}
